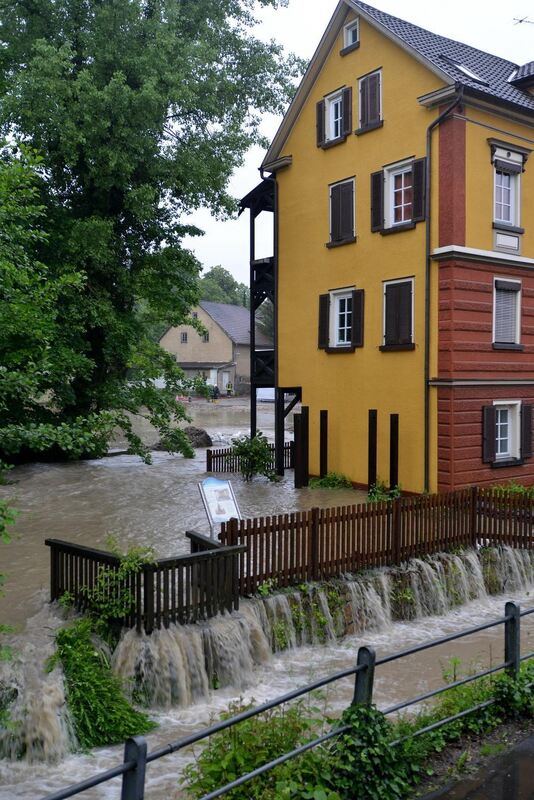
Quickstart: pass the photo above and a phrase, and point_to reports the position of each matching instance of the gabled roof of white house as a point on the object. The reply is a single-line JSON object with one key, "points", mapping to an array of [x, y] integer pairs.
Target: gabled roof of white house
{"points": [[481, 74], [235, 322]]}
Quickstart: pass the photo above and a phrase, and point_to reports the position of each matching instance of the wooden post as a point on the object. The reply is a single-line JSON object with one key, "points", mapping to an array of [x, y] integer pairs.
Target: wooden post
{"points": [[305, 433], [393, 450], [474, 516], [396, 530], [208, 461], [371, 455], [133, 781], [512, 638], [323, 443], [363, 686], [314, 550], [148, 585], [297, 422], [53, 574], [253, 410], [279, 418]]}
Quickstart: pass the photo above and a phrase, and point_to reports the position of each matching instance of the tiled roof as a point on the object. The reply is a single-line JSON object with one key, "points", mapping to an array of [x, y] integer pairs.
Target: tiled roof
{"points": [[447, 54], [235, 321]]}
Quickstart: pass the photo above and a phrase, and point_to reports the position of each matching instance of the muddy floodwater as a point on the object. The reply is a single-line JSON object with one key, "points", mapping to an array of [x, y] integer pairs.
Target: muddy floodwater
{"points": [[154, 505]]}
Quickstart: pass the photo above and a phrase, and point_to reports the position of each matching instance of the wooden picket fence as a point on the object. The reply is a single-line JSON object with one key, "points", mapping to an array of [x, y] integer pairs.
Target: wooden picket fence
{"points": [[186, 589], [327, 542], [223, 460]]}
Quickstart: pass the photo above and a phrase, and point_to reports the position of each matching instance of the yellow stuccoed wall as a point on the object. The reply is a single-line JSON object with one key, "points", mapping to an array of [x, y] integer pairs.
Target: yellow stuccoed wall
{"points": [[350, 384]]}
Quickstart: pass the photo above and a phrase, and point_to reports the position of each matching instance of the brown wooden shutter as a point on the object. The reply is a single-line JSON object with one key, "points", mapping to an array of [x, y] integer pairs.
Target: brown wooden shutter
{"points": [[346, 202], [405, 312], [324, 320], [357, 317], [335, 212], [526, 430], [373, 99], [320, 111], [377, 201], [364, 103], [419, 181], [488, 434], [392, 314], [347, 111]]}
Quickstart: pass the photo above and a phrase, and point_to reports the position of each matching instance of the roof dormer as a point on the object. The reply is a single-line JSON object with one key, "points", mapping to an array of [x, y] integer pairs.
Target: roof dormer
{"points": [[523, 77]]}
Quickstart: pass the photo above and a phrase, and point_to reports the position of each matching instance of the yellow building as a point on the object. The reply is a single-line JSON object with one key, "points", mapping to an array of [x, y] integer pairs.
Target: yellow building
{"points": [[403, 256]]}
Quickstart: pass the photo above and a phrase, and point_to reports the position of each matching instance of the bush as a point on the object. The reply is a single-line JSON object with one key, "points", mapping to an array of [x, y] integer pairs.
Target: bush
{"points": [[255, 456], [101, 713], [379, 492], [332, 480]]}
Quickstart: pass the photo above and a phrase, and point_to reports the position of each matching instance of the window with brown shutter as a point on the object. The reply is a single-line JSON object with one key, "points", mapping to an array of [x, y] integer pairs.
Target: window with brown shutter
{"points": [[341, 320], [398, 315], [398, 196], [357, 317], [342, 213], [506, 433], [334, 118], [370, 102]]}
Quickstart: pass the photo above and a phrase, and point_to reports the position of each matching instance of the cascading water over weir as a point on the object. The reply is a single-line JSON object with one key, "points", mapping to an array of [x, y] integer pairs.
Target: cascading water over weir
{"points": [[181, 665]]}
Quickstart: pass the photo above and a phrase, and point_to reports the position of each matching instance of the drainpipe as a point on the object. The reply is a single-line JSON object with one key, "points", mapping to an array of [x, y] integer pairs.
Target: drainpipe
{"points": [[428, 265]]}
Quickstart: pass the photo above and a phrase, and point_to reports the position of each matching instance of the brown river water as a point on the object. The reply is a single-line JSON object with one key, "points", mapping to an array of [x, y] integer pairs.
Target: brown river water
{"points": [[154, 505]]}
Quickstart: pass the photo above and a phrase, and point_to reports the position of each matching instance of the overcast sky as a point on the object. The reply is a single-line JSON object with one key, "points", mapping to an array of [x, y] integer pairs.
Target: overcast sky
{"points": [[485, 24]]}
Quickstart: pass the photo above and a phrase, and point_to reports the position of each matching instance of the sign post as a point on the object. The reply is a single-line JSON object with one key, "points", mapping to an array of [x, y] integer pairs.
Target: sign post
{"points": [[219, 502]]}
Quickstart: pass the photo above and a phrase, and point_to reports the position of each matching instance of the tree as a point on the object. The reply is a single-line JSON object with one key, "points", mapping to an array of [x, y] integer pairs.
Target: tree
{"points": [[265, 318], [140, 111], [221, 287]]}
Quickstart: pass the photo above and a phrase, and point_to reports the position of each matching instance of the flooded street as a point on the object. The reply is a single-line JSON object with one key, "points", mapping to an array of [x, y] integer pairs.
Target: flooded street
{"points": [[153, 506]]}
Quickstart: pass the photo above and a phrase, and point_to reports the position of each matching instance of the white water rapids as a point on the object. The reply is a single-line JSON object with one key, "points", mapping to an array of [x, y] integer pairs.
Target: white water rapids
{"points": [[178, 667]]}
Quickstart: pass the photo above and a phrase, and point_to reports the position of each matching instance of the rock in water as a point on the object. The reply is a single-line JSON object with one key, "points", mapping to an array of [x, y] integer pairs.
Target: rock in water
{"points": [[198, 436]]}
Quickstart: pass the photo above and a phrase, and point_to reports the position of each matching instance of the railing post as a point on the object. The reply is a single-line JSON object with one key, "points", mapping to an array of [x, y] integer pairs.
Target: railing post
{"points": [[363, 684], [208, 461], [314, 536], [512, 638], [474, 516], [148, 584], [133, 781]]}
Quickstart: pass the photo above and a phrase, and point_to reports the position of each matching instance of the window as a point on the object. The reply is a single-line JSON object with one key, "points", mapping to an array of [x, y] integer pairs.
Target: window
{"points": [[508, 164], [398, 196], [398, 315], [334, 117], [183, 337], [505, 197], [351, 37], [506, 314], [370, 102], [507, 432], [341, 320], [205, 337], [342, 225]]}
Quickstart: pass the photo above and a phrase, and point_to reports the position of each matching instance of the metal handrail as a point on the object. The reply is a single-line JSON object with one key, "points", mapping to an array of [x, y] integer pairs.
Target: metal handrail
{"points": [[364, 672]]}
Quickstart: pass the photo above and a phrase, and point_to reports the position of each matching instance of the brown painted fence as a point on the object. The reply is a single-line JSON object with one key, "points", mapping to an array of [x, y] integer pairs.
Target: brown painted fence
{"points": [[324, 543], [223, 461], [185, 589]]}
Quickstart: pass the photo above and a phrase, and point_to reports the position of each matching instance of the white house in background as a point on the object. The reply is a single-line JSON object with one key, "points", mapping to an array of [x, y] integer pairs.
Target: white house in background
{"points": [[222, 354]]}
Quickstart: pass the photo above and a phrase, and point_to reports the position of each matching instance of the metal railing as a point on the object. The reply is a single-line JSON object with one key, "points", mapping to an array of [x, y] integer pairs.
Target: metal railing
{"points": [[136, 756]]}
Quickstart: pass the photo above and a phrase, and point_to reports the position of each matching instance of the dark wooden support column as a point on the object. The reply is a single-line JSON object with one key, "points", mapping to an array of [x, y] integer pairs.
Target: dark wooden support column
{"points": [[305, 433], [253, 398], [297, 422], [371, 453], [253, 411], [279, 418], [323, 444], [393, 450]]}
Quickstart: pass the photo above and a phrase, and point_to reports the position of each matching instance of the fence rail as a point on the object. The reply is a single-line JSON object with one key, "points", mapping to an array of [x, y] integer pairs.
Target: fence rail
{"points": [[223, 460], [136, 757], [184, 589], [327, 542]]}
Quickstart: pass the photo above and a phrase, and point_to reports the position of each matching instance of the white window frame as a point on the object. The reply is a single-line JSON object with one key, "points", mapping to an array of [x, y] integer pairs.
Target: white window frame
{"points": [[183, 337], [514, 429], [331, 186], [381, 110], [348, 40], [335, 297], [330, 119], [517, 338], [389, 191], [515, 195], [389, 283]]}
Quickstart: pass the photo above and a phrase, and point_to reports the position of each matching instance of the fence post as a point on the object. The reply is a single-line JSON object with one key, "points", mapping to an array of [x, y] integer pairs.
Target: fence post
{"points": [[133, 781], [363, 683], [512, 638], [314, 538], [474, 516], [54, 559], [148, 584], [208, 461], [396, 530]]}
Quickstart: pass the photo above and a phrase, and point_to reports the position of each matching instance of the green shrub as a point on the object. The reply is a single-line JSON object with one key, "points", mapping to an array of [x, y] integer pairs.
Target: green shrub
{"points": [[255, 456], [379, 492], [332, 480], [512, 487], [101, 713]]}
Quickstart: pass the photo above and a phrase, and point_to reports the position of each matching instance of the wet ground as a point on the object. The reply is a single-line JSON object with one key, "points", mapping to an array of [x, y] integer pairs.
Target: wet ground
{"points": [[509, 777]]}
